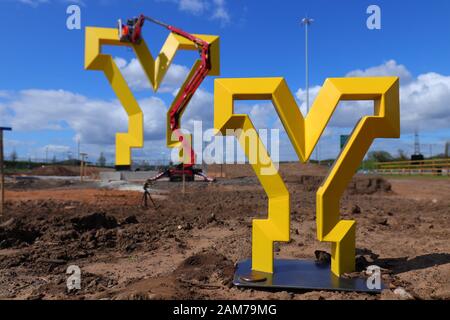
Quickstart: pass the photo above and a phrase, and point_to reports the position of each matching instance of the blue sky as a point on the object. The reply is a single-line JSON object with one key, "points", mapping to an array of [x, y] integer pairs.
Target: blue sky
{"points": [[51, 101]]}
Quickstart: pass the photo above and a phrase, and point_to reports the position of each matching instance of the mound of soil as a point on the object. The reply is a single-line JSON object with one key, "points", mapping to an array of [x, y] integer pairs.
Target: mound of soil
{"points": [[200, 267], [359, 185], [310, 183], [369, 185], [309, 176], [14, 232], [196, 271], [54, 171], [93, 222], [287, 170], [32, 183], [66, 171]]}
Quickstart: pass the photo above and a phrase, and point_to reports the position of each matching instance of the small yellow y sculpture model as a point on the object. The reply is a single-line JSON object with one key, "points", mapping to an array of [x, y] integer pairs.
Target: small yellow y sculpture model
{"points": [[155, 70], [304, 133]]}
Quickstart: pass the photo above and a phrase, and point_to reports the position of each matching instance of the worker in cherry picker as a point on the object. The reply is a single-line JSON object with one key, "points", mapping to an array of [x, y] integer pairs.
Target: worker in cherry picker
{"points": [[131, 32]]}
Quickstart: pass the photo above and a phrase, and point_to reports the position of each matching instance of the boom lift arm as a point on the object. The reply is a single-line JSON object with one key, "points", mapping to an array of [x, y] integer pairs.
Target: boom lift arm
{"points": [[132, 32]]}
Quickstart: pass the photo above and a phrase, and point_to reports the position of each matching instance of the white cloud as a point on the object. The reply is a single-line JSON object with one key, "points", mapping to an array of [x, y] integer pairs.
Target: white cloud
{"points": [[53, 148], [200, 108], [36, 3], [301, 96], [423, 100], [192, 6], [4, 94], [424, 103], [33, 3], [346, 114], [389, 68], [137, 80], [94, 121], [262, 114], [221, 12], [214, 9], [78, 2]]}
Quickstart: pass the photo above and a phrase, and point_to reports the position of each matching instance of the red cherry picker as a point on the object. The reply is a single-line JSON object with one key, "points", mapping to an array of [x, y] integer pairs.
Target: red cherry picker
{"points": [[132, 32]]}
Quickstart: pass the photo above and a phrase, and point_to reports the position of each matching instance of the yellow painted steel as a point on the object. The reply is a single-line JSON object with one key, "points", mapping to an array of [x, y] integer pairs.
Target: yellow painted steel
{"points": [[304, 133], [95, 60], [155, 70]]}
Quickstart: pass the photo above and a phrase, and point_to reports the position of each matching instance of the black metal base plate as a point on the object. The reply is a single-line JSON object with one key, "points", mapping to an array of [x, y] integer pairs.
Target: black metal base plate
{"points": [[298, 275]]}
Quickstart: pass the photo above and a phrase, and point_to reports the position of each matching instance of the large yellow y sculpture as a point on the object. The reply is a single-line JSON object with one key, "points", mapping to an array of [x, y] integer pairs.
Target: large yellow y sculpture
{"points": [[304, 133], [155, 70]]}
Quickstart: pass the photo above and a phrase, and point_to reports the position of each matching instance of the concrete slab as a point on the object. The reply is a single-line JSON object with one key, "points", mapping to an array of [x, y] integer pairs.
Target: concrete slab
{"points": [[110, 176], [127, 175], [137, 175]]}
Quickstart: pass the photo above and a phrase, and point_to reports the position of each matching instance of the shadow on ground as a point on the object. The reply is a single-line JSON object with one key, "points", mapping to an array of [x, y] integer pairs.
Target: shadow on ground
{"points": [[366, 257]]}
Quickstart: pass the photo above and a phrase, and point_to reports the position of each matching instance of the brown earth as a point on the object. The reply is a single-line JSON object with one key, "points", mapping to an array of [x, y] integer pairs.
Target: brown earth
{"points": [[64, 170], [188, 247]]}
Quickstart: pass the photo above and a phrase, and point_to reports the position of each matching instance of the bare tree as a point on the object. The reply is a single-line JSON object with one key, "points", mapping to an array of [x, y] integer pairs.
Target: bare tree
{"points": [[101, 160], [13, 156], [402, 155]]}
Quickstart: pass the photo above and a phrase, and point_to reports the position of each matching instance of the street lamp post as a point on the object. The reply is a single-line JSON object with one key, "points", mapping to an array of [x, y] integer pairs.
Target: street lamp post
{"points": [[307, 22], [82, 163]]}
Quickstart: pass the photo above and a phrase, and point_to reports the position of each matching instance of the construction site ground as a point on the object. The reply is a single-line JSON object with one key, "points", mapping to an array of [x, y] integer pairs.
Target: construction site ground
{"points": [[187, 248]]}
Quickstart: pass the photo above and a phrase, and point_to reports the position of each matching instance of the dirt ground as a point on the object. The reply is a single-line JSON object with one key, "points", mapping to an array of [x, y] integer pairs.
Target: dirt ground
{"points": [[62, 170], [187, 248]]}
